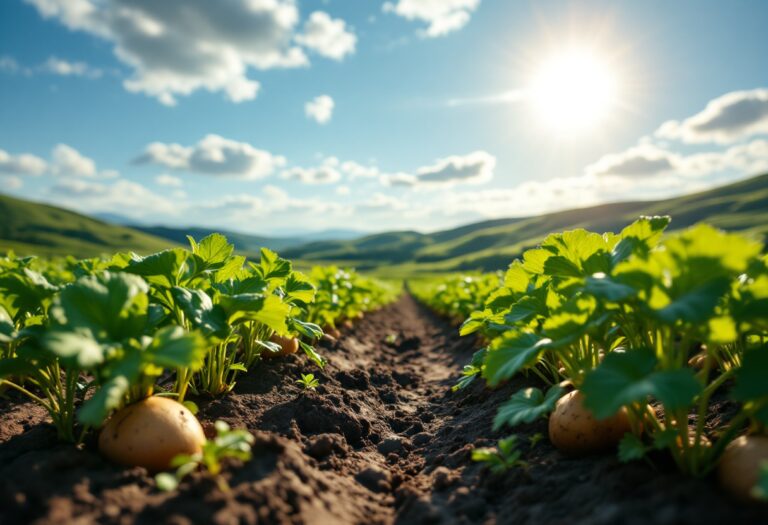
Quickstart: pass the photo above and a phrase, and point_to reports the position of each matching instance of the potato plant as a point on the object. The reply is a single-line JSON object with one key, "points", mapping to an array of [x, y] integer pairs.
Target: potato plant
{"points": [[86, 337], [630, 319]]}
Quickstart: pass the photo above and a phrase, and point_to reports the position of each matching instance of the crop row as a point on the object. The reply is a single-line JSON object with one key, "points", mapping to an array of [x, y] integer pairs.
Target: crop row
{"points": [[640, 340], [84, 338]]}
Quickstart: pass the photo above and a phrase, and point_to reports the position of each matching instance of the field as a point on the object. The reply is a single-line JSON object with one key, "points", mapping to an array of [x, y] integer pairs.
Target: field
{"points": [[331, 397]]}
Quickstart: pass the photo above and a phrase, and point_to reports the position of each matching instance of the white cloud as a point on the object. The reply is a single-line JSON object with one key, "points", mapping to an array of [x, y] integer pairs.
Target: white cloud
{"points": [[357, 171], [214, 155], [379, 202], [320, 109], [168, 180], [442, 16], [343, 190], [177, 47], [647, 161], [65, 68], [123, 197], [638, 161], [327, 36], [326, 173], [67, 161], [474, 168], [726, 119], [23, 164], [10, 182]]}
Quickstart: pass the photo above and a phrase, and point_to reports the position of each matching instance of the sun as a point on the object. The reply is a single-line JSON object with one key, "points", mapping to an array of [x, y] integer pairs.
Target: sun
{"points": [[573, 91]]}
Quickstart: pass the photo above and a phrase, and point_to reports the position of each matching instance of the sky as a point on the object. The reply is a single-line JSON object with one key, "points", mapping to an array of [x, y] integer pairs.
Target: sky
{"points": [[283, 116]]}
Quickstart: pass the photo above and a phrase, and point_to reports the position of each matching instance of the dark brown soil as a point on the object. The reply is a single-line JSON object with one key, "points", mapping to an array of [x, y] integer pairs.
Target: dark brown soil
{"points": [[383, 440]]}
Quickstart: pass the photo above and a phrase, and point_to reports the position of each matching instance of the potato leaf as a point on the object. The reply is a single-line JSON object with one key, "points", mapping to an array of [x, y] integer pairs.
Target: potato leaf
{"points": [[511, 353], [526, 406], [630, 377]]}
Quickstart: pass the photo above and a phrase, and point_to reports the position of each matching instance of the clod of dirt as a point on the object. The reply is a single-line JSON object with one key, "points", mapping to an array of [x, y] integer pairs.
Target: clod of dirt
{"points": [[375, 479], [326, 444]]}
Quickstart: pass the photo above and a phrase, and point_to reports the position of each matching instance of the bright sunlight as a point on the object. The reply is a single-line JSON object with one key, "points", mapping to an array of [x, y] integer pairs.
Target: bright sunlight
{"points": [[573, 91]]}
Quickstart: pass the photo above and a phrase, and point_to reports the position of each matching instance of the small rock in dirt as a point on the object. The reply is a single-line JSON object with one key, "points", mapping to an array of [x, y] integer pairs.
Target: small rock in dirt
{"points": [[391, 444], [422, 438], [375, 479], [325, 444], [444, 478]]}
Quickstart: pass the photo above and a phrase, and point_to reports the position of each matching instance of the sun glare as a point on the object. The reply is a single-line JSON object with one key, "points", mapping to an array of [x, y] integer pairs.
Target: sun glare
{"points": [[573, 91]]}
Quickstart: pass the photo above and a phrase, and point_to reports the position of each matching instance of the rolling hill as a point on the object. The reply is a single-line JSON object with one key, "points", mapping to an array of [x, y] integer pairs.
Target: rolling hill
{"points": [[493, 244], [31, 228]]}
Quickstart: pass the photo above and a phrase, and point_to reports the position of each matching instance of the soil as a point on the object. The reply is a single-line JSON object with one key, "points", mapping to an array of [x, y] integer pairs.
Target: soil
{"points": [[383, 440]]}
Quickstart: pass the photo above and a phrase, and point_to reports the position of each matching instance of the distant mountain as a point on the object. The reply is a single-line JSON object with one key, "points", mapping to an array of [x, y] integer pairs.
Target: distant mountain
{"points": [[243, 242], [491, 245], [30, 228]]}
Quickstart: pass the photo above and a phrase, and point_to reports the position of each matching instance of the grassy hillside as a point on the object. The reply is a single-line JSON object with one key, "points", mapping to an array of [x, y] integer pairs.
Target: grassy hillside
{"points": [[30, 228], [493, 244], [243, 242]]}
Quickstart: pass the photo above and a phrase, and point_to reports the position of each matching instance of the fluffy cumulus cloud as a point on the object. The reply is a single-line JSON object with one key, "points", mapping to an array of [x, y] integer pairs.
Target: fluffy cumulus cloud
{"points": [[475, 168], [67, 161], [326, 173], [442, 16], [327, 36], [647, 161], [176, 47], [214, 155], [726, 119], [638, 161], [123, 196], [319, 109], [22, 164]]}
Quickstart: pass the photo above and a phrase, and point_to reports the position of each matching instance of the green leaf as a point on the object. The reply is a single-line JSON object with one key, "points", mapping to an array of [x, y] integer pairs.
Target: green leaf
{"points": [[166, 482], [298, 289], [162, 268], [511, 353], [200, 310], [113, 306], [526, 406], [173, 347], [308, 330], [631, 448], [75, 349], [516, 279], [696, 305], [629, 377], [604, 287], [268, 310], [272, 266], [214, 249], [107, 398], [312, 354], [752, 376]]}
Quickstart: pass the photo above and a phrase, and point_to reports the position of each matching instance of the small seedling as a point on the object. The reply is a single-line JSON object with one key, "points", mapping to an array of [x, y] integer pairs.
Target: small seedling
{"points": [[227, 444], [308, 381], [534, 439], [502, 458], [391, 339]]}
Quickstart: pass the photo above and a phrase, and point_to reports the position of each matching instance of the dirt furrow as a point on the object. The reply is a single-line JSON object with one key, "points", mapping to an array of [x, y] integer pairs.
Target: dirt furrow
{"points": [[383, 440]]}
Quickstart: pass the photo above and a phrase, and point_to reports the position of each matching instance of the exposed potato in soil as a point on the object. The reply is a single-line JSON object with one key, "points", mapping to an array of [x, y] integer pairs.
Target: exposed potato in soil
{"points": [[739, 467], [575, 431]]}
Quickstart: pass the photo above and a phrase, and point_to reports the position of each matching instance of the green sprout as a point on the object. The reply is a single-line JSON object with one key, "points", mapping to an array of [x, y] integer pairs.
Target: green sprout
{"points": [[502, 458], [227, 444], [308, 381]]}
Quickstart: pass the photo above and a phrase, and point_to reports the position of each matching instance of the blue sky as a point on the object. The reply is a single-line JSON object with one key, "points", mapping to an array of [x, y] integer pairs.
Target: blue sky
{"points": [[269, 116]]}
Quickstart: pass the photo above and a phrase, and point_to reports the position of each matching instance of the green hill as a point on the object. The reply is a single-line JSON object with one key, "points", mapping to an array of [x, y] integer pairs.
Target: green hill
{"points": [[493, 244], [242, 241], [30, 228]]}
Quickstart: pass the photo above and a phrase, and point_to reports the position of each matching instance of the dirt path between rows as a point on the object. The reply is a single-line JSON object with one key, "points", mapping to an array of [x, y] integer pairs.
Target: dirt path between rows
{"points": [[382, 441]]}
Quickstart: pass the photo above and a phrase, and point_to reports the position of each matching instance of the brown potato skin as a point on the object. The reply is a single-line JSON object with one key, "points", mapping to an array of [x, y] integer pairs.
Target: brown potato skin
{"points": [[150, 434], [575, 431], [288, 345], [739, 467]]}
